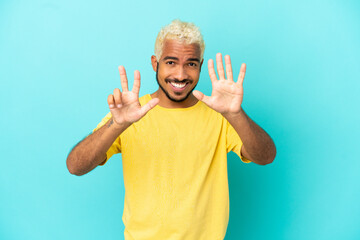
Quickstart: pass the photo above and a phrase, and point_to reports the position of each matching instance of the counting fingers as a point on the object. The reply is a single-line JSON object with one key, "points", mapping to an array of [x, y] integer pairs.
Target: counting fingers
{"points": [[242, 74], [220, 67], [229, 74], [211, 69], [123, 78], [136, 87], [117, 97], [111, 101]]}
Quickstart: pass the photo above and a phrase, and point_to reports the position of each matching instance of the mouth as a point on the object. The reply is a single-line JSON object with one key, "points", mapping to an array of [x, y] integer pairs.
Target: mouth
{"points": [[178, 87]]}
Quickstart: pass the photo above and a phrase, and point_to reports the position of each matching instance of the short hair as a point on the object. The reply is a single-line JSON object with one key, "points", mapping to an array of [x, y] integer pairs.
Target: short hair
{"points": [[186, 32]]}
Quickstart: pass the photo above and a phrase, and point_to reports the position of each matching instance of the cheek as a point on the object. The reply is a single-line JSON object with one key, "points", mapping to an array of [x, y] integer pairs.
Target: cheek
{"points": [[195, 75], [166, 73], [161, 74]]}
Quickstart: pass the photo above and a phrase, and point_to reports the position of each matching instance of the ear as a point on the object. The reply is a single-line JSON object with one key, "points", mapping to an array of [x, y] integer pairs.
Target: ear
{"points": [[201, 64], [154, 62]]}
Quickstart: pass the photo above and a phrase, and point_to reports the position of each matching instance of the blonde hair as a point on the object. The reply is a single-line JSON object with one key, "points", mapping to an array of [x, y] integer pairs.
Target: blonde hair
{"points": [[185, 32]]}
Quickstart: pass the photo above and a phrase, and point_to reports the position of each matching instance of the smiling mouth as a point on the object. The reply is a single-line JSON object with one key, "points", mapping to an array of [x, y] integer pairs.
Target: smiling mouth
{"points": [[178, 85]]}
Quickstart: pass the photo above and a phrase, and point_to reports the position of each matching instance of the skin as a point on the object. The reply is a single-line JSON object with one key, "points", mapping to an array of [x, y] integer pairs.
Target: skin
{"points": [[226, 98], [176, 64], [179, 63], [125, 109]]}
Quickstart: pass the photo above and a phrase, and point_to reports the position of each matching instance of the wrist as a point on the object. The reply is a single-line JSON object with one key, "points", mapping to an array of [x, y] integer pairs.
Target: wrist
{"points": [[118, 126], [234, 115]]}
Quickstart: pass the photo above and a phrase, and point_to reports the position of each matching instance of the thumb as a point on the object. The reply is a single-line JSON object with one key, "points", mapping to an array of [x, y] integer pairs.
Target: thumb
{"points": [[148, 106], [202, 97]]}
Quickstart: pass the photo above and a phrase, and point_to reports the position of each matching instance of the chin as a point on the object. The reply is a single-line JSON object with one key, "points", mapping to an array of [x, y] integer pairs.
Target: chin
{"points": [[177, 98]]}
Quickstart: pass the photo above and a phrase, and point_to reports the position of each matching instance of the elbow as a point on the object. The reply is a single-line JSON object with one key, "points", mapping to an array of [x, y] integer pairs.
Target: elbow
{"points": [[269, 161], [72, 168], [265, 162], [271, 157]]}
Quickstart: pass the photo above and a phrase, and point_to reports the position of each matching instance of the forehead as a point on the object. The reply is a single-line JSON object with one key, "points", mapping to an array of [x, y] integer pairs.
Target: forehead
{"points": [[175, 48]]}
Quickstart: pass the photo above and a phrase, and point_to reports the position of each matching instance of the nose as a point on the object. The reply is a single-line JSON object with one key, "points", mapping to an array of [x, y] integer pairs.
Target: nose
{"points": [[181, 74]]}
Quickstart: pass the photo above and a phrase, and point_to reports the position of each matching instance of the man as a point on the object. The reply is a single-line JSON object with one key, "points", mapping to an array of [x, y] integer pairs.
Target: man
{"points": [[174, 142]]}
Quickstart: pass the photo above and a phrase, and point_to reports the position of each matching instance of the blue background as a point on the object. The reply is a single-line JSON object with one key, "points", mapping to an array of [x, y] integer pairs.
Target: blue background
{"points": [[58, 63]]}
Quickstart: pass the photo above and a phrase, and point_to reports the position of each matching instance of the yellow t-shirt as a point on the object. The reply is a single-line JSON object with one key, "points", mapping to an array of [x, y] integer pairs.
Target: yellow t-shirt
{"points": [[175, 173]]}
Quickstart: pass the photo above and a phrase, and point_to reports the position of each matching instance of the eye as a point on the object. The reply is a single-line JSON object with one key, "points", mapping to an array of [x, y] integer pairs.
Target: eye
{"points": [[192, 64], [170, 62]]}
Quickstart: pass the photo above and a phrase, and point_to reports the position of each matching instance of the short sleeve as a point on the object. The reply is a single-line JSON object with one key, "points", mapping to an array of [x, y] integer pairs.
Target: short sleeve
{"points": [[116, 146], [233, 142]]}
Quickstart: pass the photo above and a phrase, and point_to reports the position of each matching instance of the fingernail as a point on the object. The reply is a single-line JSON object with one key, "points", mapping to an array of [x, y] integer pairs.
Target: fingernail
{"points": [[111, 105], [119, 105]]}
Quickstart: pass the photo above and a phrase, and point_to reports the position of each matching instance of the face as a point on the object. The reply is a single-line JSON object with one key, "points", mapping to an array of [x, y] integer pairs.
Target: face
{"points": [[178, 70]]}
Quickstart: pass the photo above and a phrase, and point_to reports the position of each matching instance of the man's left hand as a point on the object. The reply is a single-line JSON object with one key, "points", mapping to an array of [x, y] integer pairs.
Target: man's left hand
{"points": [[227, 95]]}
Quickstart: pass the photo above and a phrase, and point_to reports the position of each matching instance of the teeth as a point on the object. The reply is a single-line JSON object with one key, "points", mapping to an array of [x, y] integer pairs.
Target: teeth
{"points": [[177, 85]]}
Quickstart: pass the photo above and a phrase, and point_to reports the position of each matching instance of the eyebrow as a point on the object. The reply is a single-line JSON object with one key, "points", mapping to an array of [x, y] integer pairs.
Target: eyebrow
{"points": [[194, 59], [177, 59]]}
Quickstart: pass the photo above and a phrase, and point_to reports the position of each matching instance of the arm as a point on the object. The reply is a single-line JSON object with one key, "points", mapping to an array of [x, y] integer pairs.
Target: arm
{"points": [[91, 151], [226, 98], [257, 144], [125, 109]]}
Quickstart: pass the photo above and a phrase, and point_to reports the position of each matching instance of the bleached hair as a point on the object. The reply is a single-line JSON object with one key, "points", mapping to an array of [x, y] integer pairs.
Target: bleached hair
{"points": [[185, 32]]}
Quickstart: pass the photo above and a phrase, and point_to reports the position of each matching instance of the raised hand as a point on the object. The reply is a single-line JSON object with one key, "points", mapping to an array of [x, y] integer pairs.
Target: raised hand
{"points": [[227, 95], [125, 106]]}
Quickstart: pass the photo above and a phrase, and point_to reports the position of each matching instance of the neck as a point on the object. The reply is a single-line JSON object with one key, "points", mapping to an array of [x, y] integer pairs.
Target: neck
{"points": [[167, 103]]}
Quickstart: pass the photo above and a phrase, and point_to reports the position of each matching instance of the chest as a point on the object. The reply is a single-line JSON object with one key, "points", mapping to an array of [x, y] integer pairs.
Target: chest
{"points": [[174, 134]]}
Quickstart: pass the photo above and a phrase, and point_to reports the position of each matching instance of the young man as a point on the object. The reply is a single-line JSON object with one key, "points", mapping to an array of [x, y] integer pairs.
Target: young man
{"points": [[174, 142]]}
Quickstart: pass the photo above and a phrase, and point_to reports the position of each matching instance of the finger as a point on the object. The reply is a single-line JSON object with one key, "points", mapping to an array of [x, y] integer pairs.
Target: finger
{"points": [[229, 74], [111, 101], [220, 67], [148, 106], [212, 72], [241, 74], [117, 97], [136, 87], [202, 97], [123, 78]]}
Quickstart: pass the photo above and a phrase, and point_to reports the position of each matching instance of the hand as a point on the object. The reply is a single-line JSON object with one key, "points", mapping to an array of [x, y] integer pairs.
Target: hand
{"points": [[226, 96], [125, 106]]}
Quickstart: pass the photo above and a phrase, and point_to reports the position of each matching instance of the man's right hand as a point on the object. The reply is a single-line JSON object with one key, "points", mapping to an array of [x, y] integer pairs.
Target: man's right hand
{"points": [[125, 106]]}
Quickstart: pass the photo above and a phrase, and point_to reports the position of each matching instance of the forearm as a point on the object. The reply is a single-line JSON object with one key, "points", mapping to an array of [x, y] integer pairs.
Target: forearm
{"points": [[258, 144], [91, 151]]}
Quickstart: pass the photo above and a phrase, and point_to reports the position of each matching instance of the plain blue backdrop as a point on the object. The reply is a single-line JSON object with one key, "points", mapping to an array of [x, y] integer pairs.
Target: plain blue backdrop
{"points": [[58, 63]]}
